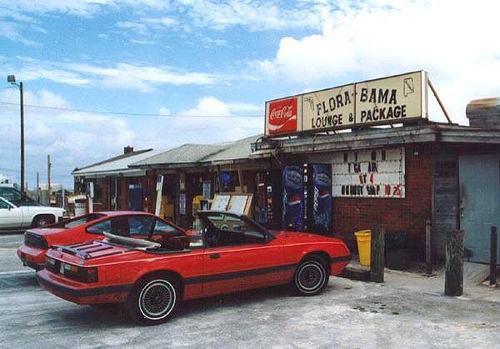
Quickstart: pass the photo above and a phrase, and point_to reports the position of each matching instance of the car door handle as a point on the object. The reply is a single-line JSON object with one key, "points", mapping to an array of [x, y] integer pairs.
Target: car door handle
{"points": [[214, 255]]}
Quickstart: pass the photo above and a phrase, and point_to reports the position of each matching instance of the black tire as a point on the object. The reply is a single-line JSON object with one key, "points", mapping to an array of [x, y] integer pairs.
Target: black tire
{"points": [[153, 300], [311, 277], [42, 221]]}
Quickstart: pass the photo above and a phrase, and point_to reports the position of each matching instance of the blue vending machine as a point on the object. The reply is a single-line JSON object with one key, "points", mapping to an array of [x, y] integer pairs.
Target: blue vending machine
{"points": [[319, 198], [293, 198]]}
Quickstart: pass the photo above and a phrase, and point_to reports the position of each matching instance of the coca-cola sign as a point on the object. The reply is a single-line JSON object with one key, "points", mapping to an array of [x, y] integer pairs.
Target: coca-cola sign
{"points": [[395, 99], [281, 116]]}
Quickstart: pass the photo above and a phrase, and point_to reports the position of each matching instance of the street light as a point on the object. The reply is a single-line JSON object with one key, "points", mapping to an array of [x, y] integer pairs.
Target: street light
{"points": [[12, 80]]}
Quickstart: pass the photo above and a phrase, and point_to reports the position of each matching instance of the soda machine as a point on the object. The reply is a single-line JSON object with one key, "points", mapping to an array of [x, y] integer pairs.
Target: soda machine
{"points": [[318, 188], [297, 197], [268, 199], [307, 198]]}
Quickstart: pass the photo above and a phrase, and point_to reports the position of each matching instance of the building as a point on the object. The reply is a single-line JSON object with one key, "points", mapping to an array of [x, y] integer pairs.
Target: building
{"points": [[416, 179]]}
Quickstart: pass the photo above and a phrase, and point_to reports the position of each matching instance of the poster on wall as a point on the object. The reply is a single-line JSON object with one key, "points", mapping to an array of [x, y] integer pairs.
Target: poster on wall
{"points": [[377, 173]]}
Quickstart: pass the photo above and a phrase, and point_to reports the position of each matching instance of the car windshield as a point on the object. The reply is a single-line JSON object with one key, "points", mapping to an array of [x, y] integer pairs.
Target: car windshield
{"points": [[17, 198], [135, 225], [230, 221], [224, 228]]}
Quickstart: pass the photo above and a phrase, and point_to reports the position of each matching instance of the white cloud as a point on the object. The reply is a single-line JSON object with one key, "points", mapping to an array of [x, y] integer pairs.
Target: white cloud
{"points": [[211, 120], [452, 40], [70, 138], [118, 76], [208, 106]]}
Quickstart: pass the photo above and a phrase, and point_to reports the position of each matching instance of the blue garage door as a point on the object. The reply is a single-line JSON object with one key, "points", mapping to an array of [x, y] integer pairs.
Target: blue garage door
{"points": [[480, 203]]}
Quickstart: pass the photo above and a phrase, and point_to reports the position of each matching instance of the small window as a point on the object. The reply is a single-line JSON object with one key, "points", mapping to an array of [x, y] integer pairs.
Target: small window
{"points": [[161, 226], [140, 225], [101, 227]]}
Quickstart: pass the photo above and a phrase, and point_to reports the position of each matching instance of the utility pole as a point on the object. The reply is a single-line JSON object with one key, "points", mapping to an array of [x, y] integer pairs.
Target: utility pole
{"points": [[38, 186], [12, 79], [48, 175]]}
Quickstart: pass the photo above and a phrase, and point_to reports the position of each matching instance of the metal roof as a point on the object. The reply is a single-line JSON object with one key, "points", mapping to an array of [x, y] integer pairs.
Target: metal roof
{"points": [[192, 154], [115, 165], [238, 150], [185, 154]]}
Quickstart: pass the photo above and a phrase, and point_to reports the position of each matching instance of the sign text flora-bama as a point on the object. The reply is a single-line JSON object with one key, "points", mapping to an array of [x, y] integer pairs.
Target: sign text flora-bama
{"points": [[388, 100], [328, 108]]}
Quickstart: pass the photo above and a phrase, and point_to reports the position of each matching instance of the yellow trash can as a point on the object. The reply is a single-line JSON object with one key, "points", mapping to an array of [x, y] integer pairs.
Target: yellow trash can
{"points": [[363, 239]]}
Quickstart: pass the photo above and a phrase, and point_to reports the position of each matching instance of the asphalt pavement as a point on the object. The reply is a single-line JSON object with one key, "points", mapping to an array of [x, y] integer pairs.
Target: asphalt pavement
{"points": [[407, 310]]}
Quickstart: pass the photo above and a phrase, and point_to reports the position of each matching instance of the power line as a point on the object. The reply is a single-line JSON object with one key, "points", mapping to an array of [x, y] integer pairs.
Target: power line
{"points": [[132, 114]]}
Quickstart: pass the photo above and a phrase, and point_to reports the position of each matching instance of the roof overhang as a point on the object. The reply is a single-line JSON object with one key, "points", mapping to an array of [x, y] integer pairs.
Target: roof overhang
{"points": [[115, 173], [380, 137]]}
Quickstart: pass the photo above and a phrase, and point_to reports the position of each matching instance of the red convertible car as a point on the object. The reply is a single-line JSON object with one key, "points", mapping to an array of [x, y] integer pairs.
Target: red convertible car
{"points": [[229, 252], [89, 227]]}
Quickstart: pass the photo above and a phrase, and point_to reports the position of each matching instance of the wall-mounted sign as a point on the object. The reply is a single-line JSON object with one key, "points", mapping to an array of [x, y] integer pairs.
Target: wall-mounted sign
{"points": [[391, 100], [369, 173], [282, 115], [395, 99], [332, 108]]}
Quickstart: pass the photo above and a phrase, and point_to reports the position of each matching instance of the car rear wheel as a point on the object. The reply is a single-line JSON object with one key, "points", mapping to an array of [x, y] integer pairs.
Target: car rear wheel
{"points": [[153, 300], [43, 220], [311, 277]]}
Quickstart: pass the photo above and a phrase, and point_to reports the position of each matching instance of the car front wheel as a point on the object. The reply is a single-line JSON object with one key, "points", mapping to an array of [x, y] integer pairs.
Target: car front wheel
{"points": [[153, 300], [311, 277]]}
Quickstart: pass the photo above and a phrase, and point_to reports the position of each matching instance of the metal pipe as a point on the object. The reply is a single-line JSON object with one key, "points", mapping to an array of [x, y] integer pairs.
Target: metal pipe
{"points": [[428, 250], [439, 101], [493, 256]]}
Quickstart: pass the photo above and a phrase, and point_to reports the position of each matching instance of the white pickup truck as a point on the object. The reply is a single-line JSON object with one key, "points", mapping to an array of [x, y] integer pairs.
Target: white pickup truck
{"points": [[30, 215]]}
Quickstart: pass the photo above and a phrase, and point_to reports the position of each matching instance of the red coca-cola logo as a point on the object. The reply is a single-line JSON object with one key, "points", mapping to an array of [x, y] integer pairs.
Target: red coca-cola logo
{"points": [[282, 116]]}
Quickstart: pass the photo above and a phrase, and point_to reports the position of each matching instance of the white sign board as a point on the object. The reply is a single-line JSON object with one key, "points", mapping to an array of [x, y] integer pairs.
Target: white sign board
{"points": [[391, 100], [376, 173], [326, 109], [395, 99]]}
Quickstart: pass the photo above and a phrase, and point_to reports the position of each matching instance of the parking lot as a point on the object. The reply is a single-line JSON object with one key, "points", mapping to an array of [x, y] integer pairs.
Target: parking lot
{"points": [[406, 311]]}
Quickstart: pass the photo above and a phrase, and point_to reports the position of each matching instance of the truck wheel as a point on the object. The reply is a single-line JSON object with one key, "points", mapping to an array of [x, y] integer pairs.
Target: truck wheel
{"points": [[153, 300], [43, 220], [311, 277]]}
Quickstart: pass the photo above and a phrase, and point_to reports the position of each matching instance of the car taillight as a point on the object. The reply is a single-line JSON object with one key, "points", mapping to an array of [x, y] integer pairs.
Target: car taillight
{"points": [[71, 271], [78, 273], [35, 240], [50, 263]]}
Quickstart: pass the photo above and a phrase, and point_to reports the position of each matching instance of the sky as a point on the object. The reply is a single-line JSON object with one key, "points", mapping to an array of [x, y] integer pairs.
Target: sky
{"points": [[100, 75]]}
